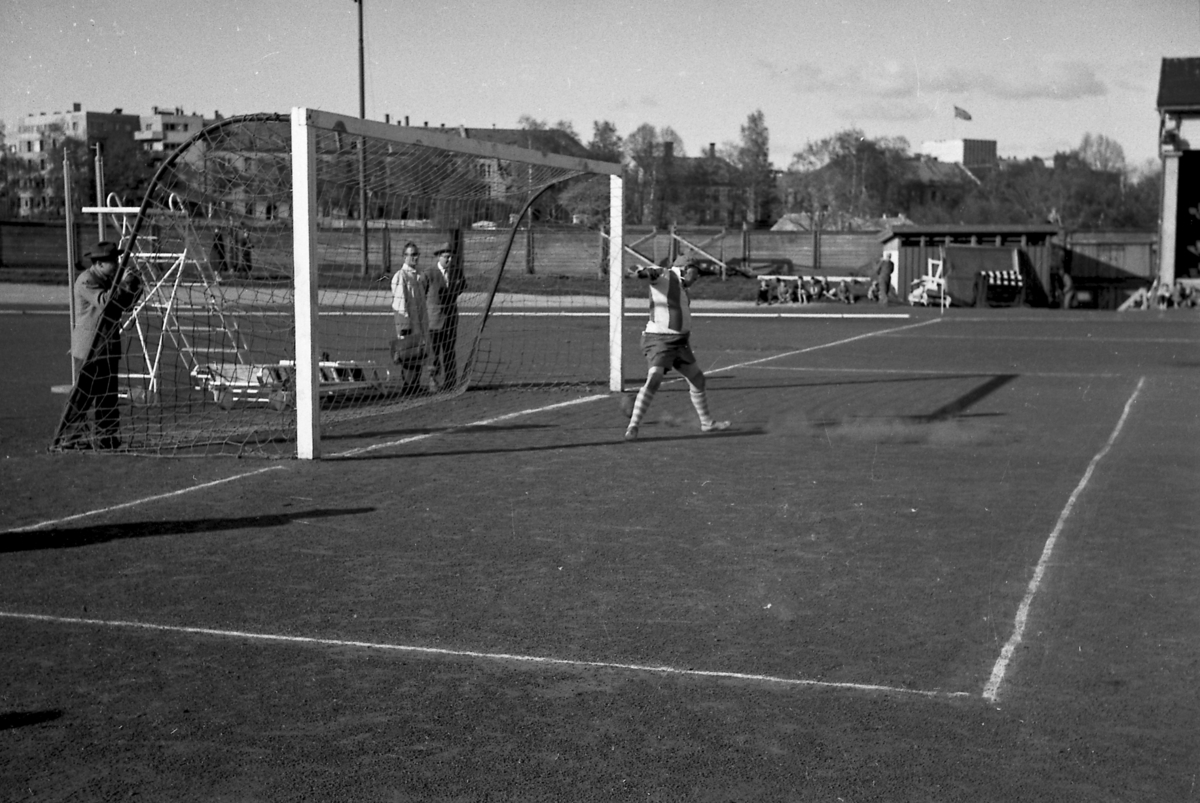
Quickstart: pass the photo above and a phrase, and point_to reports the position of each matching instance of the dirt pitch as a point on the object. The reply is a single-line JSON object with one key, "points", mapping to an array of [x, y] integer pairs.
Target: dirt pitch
{"points": [[937, 559]]}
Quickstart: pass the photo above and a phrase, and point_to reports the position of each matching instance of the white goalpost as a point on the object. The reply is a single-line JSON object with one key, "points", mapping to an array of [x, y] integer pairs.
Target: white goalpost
{"points": [[263, 324]]}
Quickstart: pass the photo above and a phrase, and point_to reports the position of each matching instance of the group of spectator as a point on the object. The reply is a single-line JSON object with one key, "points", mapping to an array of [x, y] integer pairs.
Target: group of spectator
{"points": [[231, 253], [425, 308], [808, 289], [1161, 295]]}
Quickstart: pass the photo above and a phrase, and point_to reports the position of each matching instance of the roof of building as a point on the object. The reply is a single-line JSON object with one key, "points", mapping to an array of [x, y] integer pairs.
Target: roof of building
{"points": [[550, 140], [967, 229], [932, 172], [803, 221], [1179, 85]]}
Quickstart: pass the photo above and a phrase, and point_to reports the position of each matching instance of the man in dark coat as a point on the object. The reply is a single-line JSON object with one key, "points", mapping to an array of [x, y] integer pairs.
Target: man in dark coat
{"points": [[446, 283], [100, 301], [883, 278]]}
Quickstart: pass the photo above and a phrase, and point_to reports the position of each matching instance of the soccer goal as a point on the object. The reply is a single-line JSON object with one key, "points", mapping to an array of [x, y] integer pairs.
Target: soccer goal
{"points": [[267, 246]]}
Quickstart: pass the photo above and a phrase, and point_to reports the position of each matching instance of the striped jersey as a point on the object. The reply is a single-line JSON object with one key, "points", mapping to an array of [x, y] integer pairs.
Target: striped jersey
{"points": [[670, 312]]}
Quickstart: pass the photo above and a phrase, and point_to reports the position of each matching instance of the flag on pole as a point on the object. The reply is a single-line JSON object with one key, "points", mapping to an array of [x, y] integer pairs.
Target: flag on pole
{"points": [[961, 113]]}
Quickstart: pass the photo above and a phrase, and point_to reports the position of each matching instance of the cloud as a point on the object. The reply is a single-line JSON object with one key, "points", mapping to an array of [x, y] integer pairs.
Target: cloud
{"points": [[1052, 79], [889, 109]]}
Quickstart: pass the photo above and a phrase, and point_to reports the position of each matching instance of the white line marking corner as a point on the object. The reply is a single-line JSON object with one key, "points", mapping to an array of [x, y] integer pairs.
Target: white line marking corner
{"points": [[991, 690]]}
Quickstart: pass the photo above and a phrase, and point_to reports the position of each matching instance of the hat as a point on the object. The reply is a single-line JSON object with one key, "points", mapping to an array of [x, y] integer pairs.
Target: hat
{"points": [[443, 248], [104, 251]]}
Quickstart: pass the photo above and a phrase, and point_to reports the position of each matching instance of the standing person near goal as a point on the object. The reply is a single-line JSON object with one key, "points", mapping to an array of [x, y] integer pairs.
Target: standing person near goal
{"points": [[411, 346], [445, 283], [665, 343], [883, 279], [100, 301]]}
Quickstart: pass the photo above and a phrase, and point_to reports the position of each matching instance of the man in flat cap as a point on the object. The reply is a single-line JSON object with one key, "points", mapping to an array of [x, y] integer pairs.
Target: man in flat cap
{"points": [[445, 284], [100, 301]]}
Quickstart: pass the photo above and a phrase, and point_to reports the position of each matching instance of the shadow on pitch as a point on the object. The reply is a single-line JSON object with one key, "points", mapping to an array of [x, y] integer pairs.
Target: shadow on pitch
{"points": [[662, 436], [968, 400], [67, 537], [891, 380], [430, 431], [23, 719]]}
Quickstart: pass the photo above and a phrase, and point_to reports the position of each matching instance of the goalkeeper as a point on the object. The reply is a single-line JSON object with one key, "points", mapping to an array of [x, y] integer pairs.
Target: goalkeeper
{"points": [[665, 343]]}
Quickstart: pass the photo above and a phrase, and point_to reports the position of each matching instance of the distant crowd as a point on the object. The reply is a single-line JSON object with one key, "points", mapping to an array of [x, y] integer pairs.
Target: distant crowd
{"points": [[807, 290], [1161, 295]]}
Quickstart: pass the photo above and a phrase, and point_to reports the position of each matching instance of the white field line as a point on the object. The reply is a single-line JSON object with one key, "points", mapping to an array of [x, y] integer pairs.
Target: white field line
{"points": [[482, 423], [599, 397], [824, 346], [807, 315], [52, 522], [482, 656], [1060, 339], [992, 689], [934, 372]]}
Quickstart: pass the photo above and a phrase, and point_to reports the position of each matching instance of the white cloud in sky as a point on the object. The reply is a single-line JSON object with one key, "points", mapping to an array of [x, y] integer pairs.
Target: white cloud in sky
{"points": [[1054, 79]]}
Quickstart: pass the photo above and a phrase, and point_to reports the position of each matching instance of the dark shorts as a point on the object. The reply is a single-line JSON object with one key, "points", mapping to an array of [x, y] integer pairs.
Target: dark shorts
{"points": [[667, 351]]}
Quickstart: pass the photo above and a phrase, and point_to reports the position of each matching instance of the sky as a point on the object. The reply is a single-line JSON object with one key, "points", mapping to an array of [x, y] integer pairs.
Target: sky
{"points": [[1035, 76]]}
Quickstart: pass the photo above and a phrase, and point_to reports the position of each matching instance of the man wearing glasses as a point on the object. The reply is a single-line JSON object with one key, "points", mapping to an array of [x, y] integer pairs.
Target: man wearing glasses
{"points": [[411, 346]]}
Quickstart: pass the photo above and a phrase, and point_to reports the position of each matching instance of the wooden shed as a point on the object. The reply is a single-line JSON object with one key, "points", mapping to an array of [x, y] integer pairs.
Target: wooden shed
{"points": [[912, 246]]}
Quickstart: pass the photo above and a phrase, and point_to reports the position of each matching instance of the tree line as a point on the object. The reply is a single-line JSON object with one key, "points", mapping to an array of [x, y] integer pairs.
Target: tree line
{"points": [[841, 179], [849, 177]]}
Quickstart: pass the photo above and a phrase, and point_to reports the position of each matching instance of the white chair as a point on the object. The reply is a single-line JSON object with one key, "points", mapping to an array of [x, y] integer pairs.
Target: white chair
{"points": [[931, 287]]}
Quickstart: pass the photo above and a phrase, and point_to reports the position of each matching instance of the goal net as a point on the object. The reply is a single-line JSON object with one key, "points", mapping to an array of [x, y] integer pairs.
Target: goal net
{"points": [[276, 307]]}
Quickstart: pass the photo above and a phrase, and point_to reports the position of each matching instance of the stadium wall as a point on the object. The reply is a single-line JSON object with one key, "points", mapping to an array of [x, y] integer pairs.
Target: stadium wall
{"points": [[841, 252], [38, 244]]}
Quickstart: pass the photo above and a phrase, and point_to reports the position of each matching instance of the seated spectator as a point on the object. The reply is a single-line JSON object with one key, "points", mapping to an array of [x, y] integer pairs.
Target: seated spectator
{"points": [[764, 292]]}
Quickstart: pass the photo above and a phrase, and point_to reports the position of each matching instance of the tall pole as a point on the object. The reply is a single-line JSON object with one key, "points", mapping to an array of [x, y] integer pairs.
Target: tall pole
{"points": [[362, 143], [69, 208], [99, 191]]}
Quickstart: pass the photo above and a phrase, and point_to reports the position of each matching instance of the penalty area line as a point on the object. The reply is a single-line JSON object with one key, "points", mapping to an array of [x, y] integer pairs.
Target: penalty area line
{"points": [[501, 657], [135, 502], [991, 689]]}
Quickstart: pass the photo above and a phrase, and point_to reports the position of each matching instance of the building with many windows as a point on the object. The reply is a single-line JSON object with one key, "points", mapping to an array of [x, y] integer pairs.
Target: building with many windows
{"points": [[165, 129], [39, 134]]}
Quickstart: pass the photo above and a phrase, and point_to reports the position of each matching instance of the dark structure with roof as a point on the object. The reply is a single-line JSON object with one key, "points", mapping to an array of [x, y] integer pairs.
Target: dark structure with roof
{"points": [[1179, 147], [1031, 246]]}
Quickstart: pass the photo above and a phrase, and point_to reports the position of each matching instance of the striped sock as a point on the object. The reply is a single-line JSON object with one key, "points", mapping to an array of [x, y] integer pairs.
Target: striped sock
{"points": [[700, 402], [641, 405]]}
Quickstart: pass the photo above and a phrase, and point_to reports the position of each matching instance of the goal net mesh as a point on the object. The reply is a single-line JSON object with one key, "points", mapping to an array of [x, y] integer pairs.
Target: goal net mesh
{"points": [[208, 346]]}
